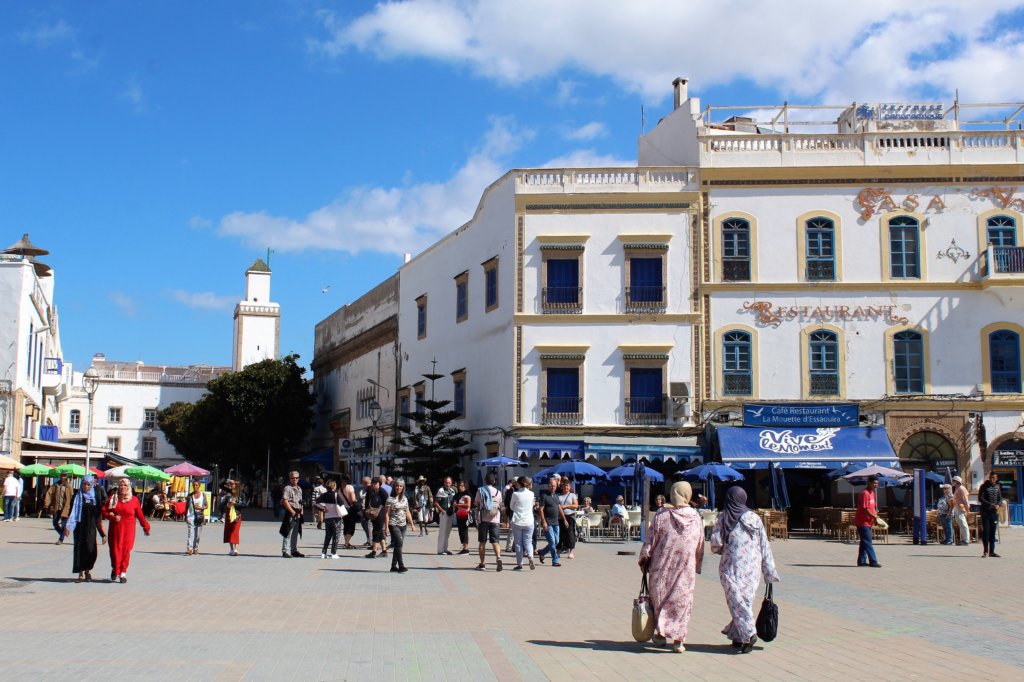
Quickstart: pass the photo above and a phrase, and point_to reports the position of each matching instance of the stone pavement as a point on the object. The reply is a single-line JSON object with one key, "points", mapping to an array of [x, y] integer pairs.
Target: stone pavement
{"points": [[932, 612]]}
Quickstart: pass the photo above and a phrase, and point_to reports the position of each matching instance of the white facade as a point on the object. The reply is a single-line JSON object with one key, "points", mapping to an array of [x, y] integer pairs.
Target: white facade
{"points": [[896, 236], [257, 326], [355, 362], [31, 376], [125, 405]]}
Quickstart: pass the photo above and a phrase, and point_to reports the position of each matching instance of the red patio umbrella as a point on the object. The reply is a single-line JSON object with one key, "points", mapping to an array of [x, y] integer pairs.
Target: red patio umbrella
{"points": [[186, 469]]}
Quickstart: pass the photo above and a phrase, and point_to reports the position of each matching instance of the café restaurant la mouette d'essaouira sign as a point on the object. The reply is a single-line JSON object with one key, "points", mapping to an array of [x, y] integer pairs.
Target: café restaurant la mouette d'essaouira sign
{"points": [[801, 414]]}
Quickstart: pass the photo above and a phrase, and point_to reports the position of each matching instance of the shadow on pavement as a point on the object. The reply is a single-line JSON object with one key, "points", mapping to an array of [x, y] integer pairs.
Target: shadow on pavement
{"points": [[633, 647], [946, 556], [42, 580], [825, 565], [24, 542]]}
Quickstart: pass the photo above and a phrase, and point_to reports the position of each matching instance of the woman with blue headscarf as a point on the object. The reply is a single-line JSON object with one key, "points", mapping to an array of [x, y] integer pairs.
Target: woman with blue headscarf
{"points": [[84, 522]]}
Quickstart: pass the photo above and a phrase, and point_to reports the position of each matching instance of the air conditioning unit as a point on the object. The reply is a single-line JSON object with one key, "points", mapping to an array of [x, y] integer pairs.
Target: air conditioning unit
{"points": [[345, 445]]}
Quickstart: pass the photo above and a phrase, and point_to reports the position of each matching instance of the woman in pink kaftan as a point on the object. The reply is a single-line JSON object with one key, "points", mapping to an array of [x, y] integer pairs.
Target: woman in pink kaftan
{"points": [[672, 557]]}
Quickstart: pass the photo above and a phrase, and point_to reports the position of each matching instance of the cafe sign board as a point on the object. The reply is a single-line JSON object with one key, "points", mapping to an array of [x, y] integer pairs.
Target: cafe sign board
{"points": [[801, 414], [1008, 458]]}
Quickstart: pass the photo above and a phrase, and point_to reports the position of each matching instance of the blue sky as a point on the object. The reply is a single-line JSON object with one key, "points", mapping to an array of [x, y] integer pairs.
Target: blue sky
{"points": [[157, 148]]}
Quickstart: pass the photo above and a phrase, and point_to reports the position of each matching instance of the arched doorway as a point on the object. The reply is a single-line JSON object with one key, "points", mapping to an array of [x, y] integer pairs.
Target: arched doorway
{"points": [[928, 450]]}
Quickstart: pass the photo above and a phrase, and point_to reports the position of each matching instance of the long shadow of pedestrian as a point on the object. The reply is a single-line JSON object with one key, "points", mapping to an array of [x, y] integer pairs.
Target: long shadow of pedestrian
{"points": [[25, 542], [825, 565], [42, 580], [628, 647]]}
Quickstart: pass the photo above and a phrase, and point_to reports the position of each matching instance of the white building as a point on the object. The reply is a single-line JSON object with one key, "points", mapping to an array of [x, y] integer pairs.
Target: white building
{"points": [[878, 263], [31, 371], [355, 360], [125, 406], [257, 328]]}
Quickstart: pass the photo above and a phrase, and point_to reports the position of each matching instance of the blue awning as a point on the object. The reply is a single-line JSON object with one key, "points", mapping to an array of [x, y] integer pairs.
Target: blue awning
{"points": [[799, 448], [325, 458], [653, 449]]}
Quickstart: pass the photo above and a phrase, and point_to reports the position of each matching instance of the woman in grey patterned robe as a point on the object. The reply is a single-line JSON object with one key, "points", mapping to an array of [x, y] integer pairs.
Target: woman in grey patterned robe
{"points": [[746, 557]]}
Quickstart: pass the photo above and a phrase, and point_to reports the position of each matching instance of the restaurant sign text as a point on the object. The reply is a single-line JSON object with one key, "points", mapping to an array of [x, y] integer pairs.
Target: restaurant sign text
{"points": [[773, 316]]}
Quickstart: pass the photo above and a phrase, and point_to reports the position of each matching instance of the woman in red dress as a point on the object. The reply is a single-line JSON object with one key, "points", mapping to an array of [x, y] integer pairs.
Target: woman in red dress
{"points": [[232, 525], [121, 510]]}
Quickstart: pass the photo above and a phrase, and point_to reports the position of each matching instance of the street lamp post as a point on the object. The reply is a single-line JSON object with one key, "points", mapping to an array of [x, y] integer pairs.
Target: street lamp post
{"points": [[91, 381], [375, 412]]}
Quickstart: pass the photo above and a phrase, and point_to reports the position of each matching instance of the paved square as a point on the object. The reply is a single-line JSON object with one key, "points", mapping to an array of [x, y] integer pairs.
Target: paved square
{"points": [[932, 612]]}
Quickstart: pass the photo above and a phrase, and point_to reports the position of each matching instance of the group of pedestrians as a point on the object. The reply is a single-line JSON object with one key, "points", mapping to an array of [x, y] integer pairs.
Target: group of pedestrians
{"points": [[673, 555]]}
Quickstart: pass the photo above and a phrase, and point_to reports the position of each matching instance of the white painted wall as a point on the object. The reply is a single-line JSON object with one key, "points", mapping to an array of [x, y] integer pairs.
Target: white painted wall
{"points": [[483, 344]]}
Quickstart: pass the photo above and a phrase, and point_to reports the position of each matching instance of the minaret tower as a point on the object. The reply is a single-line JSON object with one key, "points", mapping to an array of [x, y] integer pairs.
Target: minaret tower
{"points": [[257, 320]]}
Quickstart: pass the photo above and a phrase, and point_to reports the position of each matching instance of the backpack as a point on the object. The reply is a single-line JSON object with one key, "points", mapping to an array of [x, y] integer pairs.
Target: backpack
{"points": [[486, 499]]}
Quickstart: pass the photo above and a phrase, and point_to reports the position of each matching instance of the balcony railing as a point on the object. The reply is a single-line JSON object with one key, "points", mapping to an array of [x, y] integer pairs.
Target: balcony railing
{"points": [[645, 299], [1006, 260], [824, 383], [736, 269], [821, 271], [738, 384], [562, 411], [562, 299], [646, 411]]}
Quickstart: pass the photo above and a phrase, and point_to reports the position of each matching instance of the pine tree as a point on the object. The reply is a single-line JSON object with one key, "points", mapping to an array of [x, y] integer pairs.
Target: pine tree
{"points": [[430, 446]]}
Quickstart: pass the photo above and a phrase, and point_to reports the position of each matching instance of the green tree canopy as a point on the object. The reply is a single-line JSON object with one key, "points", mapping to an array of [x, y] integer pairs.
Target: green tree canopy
{"points": [[267, 405]]}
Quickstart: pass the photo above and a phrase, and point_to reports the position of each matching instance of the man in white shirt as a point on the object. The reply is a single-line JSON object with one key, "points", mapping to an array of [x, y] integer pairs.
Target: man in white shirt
{"points": [[488, 504], [10, 496]]}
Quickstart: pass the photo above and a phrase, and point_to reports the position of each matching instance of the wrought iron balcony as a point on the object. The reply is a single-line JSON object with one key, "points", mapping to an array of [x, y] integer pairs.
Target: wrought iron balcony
{"points": [[562, 299], [561, 411], [737, 384], [821, 271], [645, 299], [646, 411], [1003, 261], [824, 383], [736, 269]]}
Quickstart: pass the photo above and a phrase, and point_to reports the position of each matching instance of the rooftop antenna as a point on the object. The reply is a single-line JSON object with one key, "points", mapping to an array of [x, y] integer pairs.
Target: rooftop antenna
{"points": [[269, 251], [643, 122]]}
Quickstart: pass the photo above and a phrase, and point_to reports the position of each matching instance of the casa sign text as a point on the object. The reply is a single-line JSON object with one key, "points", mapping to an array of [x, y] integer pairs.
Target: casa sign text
{"points": [[773, 316]]}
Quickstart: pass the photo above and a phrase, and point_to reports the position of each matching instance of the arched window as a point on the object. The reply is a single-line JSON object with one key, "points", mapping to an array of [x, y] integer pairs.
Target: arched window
{"points": [[1004, 358], [737, 364], [904, 248], [736, 250], [823, 357], [1001, 230], [75, 421], [820, 245], [908, 362], [927, 446]]}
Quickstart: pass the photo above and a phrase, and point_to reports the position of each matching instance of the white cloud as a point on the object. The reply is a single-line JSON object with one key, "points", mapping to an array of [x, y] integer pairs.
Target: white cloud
{"points": [[203, 300], [387, 219], [198, 222], [123, 302], [887, 49], [588, 131], [48, 35], [588, 158], [134, 95]]}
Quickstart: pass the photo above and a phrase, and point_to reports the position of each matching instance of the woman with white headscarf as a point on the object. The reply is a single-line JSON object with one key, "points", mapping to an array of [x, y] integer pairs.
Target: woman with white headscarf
{"points": [[83, 523], [740, 538], [672, 557]]}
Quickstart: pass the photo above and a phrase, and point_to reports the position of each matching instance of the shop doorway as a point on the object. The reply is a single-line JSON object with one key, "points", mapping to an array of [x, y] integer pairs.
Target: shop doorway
{"points": [[1008, 462]]}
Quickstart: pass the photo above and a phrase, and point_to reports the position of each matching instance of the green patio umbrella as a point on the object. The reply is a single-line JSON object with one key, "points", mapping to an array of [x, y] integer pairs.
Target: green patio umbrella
{"points": [[75, 470], [146, 473], [35, 470]]}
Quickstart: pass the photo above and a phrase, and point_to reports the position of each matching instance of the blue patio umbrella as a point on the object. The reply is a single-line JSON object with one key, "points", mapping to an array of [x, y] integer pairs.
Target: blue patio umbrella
{"points": [[579, 470], [627, 472], [709, 472], [935, 478], [843, 471], [501, 461], [543, 475]]}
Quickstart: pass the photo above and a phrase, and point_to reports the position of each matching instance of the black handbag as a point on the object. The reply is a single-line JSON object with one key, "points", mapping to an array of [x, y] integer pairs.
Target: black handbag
{"points": [[768, 617]]}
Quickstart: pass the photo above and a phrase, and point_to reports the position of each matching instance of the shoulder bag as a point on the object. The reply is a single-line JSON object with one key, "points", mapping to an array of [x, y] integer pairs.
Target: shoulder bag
{"points": [[768, 617], [643, 614]]}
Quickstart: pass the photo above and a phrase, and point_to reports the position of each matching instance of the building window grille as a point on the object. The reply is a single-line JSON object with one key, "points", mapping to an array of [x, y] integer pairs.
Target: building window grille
{"points": [[737, 364], [904, 248], [820, 255], [1004, 358], [563, 292], [908, 362], [736, 250], [824, 363]]}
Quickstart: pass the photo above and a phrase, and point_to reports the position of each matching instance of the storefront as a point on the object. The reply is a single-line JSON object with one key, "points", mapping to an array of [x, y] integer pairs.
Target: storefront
{"points": [[785, 452], [1008, 462]]}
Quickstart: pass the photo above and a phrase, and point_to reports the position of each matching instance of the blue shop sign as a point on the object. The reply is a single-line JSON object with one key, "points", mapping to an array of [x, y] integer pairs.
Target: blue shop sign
{"points": [[814, 448], [801, 414]]}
